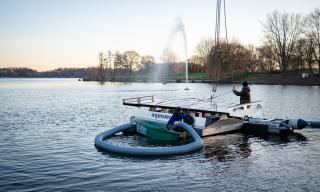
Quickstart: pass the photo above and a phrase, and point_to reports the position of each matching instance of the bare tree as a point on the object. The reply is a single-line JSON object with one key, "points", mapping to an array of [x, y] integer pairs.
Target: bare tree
{"points": [[227, 58], [148, 63], [251, 58], [132, 61], [118, 63], [266, 58], [312, 31], [196, 64], [300, 54], [309, 54], [203, 50], [169, 57], [101, 68], [215, 62], [281, 31]]}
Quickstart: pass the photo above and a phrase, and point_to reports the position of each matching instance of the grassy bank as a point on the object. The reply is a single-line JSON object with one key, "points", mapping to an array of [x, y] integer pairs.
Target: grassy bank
{"points": [[148, 78], [253, 78], [275, 79]]}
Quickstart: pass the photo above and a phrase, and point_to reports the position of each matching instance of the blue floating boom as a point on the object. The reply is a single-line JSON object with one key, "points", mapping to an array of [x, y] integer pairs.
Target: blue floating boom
{"points": [[314, 124], [148, 151], [300, 123], [296, 123]]}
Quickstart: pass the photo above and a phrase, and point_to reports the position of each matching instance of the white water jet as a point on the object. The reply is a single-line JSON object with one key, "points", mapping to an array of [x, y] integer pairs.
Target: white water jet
{"points": [[179, 27]]}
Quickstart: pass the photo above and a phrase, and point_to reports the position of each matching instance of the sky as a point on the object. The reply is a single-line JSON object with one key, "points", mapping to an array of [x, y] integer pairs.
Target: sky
{"points": [[48, 34]]}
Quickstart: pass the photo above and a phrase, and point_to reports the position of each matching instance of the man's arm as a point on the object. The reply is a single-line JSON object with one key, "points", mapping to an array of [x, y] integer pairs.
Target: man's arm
{"points": [[239, 93]]}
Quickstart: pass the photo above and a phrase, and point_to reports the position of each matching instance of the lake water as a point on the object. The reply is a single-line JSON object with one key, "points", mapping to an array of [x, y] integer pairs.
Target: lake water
{"points": [[47, 130]]}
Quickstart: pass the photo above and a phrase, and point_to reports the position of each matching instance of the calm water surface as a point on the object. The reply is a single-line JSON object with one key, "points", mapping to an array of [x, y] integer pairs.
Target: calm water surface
{"points": [[47, 128]]}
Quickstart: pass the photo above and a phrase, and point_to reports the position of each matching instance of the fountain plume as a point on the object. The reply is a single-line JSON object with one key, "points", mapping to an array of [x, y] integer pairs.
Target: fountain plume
{"points": [[179, 27]]}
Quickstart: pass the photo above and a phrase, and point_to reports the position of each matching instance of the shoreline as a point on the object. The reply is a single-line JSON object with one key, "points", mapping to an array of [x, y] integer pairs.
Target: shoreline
{"points": [[270, 79], [303, 83]]}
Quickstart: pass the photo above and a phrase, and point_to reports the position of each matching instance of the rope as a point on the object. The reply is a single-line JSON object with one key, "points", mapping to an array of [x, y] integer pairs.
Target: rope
{"points": [[222, 94], [177, 100], [217, 40], [195, 103], [211, 99]]}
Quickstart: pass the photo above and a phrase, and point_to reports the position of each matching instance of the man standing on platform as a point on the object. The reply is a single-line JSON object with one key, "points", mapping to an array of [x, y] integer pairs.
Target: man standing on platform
{"points": [[244, 93]]}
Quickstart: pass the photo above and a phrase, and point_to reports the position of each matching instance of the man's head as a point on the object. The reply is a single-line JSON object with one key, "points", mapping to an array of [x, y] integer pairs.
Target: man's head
{"points": [[177, 110], [245, 84]]}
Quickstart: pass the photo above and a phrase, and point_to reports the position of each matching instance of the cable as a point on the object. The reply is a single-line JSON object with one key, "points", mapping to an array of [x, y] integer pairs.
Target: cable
{"points": [[225, 19]]}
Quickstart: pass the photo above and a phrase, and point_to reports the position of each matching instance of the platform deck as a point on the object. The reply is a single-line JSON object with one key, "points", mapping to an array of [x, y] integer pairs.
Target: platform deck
{"points": [[190, 104]]}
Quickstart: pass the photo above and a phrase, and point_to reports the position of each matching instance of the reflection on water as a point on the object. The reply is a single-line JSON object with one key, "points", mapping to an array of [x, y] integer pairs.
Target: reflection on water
{"points": [[282, 139], [47, 130], [232, 146], [227, 147]]}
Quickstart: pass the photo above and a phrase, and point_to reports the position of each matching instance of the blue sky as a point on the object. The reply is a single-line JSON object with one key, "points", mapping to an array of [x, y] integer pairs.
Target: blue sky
{"points": [[47, 34]]}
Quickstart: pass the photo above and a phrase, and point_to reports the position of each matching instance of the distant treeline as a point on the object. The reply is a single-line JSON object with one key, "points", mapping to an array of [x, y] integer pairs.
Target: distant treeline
{"points": [[291, 43], [58, 73]]}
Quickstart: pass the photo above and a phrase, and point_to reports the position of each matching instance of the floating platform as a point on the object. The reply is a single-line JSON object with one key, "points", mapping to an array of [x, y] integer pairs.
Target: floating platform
{"points": [[216, 118], [199, 107]]}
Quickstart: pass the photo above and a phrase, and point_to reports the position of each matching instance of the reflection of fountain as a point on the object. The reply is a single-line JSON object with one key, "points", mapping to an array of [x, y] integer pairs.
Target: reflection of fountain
{"points": [[179, 27]]}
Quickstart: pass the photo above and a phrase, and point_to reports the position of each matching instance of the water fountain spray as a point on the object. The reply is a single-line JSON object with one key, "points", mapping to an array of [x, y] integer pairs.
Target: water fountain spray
{"points": [[179, 27]]}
